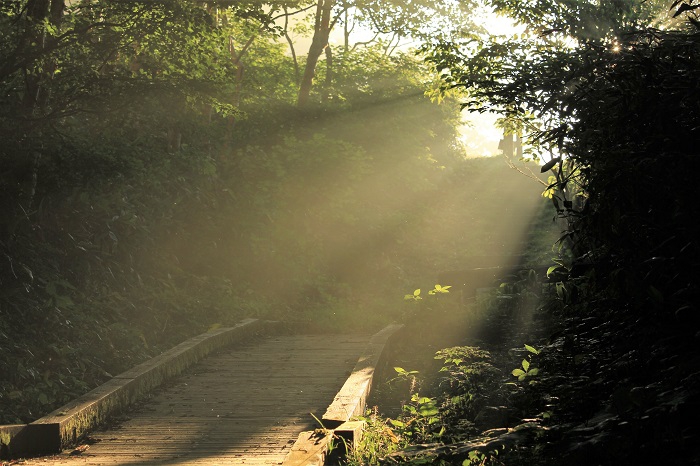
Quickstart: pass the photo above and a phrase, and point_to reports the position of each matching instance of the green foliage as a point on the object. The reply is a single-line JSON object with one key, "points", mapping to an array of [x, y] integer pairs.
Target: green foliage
{"points": [[378, 440], [478, 458], [440, 289], [416, 294], [651, 158], [414, 20], [416, 423], [623, 185], [527, 370], [583, 20], [576, 120], [469, 380], [413, 297], [96, 55], [403, 374], [101, 293], [419, 414]]}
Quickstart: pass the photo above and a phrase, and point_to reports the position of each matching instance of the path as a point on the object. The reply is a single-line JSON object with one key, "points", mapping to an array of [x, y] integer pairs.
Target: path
{"points": [[245, 405]]}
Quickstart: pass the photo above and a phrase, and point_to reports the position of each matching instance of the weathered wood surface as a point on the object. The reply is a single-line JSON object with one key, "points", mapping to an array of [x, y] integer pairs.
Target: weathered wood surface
{"points": [[352, 397], [310, 449], [64, 426], [246, 405]]}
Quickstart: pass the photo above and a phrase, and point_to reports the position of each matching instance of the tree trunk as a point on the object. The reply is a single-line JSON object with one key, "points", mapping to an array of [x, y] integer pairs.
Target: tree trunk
{"points": [[329, 74], [319, 42], [37, 93], [56, 11], [37, 12], [346, 28], [297, 73]]}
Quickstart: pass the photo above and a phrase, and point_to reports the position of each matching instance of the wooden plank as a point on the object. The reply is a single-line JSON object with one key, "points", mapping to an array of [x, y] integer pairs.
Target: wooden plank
{"points": [[11, 440], [310, 449], [349, 433], [352, 397], [64, 426]]}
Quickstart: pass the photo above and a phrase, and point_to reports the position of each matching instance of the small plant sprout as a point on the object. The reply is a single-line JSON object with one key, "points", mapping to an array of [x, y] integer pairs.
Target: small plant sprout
{"points": [[416, 294], [413, 297], [439, 289], [407, 377], [526, 370], [404, 374]]}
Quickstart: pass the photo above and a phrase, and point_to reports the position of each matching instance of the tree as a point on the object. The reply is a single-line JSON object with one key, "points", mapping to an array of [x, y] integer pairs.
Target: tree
{"points": [[390, 20], [596, 104], [583, 20], [323, 24], [529, 78]]}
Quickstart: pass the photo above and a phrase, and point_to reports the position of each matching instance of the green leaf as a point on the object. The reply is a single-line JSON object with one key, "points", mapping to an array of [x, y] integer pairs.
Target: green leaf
{"points": [[548, 166], [533, 371], [428, 409], [518, 372], [526, 364], [441, 289], [532, 349], [561, 291], [397, 423]]}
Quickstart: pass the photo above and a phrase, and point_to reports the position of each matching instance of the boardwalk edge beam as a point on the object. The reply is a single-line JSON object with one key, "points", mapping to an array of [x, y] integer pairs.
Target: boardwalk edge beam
{"points": [[352, 397], [310, 449]]}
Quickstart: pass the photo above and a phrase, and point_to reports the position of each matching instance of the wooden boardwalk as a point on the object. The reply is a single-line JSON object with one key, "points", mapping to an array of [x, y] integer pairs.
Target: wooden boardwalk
{"points": [[244, 406]]}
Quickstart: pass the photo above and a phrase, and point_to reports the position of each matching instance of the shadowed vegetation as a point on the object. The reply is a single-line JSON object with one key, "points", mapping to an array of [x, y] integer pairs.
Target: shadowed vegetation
{"points": [[604, 369]]}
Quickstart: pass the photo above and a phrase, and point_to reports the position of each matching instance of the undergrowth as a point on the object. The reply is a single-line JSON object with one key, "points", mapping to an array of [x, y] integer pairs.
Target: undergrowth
{"points": [[545, 381], [465, 393]]}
